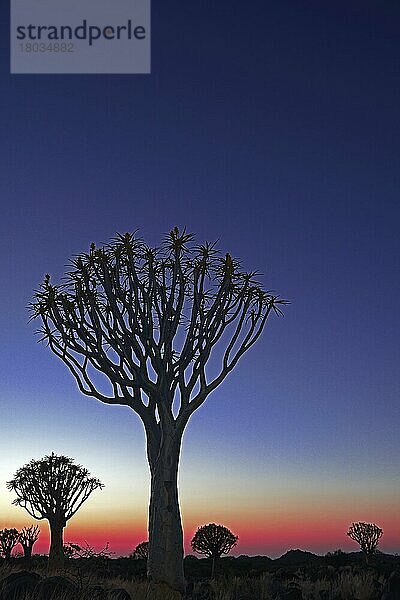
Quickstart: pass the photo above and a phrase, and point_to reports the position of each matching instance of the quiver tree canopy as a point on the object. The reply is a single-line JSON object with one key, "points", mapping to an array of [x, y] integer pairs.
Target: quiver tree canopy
{"points": [[52, 487], [150, 318], [367, 535], [158, 330], [27, 538], [9, 538], [213, 540]]}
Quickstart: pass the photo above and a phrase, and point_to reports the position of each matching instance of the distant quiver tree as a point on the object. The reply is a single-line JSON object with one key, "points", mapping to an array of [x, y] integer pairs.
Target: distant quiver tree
{"points": [[137, 326], [9, 538], [367, 535], [213, 541], [141, 551], [53, 488], [27, 538]]}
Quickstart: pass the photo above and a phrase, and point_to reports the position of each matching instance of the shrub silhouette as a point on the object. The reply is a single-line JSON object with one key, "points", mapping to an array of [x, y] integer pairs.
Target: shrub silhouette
{"points": [[19, 585], [53, 488], [27, 538], [9, 538], [149, 320], [367, 535], [56, 587], [73, 550], [141, 551], [337, 558], [213, 540]]}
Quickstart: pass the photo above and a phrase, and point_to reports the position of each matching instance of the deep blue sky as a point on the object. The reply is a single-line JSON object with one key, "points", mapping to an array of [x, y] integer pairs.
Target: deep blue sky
{"points": [[273, 126]]}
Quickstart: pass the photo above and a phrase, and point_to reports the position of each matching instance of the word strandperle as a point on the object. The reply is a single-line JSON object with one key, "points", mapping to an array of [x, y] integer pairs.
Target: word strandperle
{"points": [[84, 32]]}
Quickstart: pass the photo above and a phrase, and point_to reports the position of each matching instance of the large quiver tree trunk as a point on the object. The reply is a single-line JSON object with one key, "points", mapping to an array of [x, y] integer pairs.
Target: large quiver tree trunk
{"points": [[56, 553], [165, 558]]}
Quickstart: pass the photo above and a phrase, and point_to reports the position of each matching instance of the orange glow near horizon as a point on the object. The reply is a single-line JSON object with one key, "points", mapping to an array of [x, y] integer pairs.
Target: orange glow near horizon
{"points": [[270, 519], [269, 536]]}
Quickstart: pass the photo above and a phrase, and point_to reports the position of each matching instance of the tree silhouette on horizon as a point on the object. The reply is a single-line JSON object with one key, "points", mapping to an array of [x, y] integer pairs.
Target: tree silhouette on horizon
{"points": [[9, 538], [367, 535], [141, 551], [27, 538], [213, 541], [137, 326], [53, 488]]}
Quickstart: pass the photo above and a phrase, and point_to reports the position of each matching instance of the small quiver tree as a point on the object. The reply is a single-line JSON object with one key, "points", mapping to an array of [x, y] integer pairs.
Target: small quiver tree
{"points": [[367, 535], [53, 488], [27, 538], [9, 538], [141, 551], [213, 540]]}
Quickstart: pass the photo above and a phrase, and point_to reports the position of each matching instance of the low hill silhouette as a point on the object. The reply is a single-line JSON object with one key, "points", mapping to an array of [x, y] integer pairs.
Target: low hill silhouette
{"points": [[297, 557]]}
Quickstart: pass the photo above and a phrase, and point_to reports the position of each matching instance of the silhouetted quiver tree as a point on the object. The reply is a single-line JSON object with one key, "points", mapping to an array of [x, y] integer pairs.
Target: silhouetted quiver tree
{"points": [[213, 541], [27, 538], [53, 488], [367, 535], [141, 551], [9, 538], [137, 326]]}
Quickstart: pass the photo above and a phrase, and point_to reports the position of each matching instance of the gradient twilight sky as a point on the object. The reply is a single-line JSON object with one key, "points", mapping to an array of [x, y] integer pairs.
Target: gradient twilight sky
{"points": [[274, 127]]}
